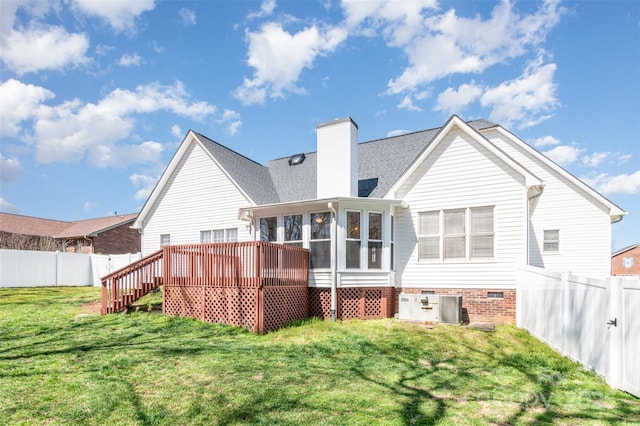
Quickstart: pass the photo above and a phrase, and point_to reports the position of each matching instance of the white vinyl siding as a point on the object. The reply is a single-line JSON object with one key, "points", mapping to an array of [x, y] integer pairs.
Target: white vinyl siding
{"points": [[461, 174], [584, 221], [198, 196]]}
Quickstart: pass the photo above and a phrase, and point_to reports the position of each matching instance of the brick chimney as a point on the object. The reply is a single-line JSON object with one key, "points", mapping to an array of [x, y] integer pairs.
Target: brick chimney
{"points": [[337, 165]]}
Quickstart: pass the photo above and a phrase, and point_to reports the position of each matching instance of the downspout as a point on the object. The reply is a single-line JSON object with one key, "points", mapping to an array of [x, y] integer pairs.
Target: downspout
{"points": [[334, 263], [539, 189]]}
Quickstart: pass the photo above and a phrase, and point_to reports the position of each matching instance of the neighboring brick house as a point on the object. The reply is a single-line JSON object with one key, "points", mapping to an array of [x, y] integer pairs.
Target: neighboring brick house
{"points": [[104, 235], [626, 261]]}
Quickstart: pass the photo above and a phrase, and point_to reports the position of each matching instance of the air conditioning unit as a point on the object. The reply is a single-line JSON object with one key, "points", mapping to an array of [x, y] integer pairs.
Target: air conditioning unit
{"points": [[451, 309], [419, 307]]}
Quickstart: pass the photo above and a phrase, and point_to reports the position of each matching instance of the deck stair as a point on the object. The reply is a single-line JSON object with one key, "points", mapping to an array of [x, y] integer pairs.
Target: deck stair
{"points": [[123, 287]]}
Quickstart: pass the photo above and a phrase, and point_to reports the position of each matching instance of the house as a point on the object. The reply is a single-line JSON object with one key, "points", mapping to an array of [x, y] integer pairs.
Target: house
{"points": [[626, 262], [104, 235], [452, 210]]}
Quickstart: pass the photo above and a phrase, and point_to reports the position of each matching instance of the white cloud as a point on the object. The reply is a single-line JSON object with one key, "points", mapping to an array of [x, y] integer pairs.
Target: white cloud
{"points": [[103, 49], [7, 207], [120, 15], [622, 158], [594, 160], [89, 205], [10, 168], [177, 131], [619, 184], [20, 102], [122, 155], [37, 49], [399, 21], [266, 8], [454, 101], [447, 44], [231, 119], [397, 132], [74, 130], [144, 185], [279, 57], [564, 154], [187, 17], [132, 60], [407, 103], [545, 141], [527, 100]]}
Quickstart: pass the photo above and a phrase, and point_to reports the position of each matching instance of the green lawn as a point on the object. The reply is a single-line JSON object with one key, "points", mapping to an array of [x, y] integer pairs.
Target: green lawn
{"points": [[61, 363]]}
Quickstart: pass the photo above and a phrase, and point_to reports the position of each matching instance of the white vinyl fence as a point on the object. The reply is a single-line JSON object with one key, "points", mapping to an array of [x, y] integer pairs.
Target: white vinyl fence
{"points": [[23, 268], [592, 321]]}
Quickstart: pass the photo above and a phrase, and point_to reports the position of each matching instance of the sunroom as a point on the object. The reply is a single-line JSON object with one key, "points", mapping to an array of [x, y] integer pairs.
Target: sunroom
{"points": [[351, 242]]}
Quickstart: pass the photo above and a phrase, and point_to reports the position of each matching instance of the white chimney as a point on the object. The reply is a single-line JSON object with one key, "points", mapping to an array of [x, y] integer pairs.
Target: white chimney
{"points": [[337, 158]]}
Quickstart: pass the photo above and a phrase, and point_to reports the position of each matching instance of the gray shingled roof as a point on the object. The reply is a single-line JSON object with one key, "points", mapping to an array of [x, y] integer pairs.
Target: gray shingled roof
{"points": [[380, 163], [253, 177]]}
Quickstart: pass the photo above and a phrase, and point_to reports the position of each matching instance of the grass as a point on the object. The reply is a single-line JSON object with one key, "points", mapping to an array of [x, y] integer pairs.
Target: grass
{"points": [[61, 363]]}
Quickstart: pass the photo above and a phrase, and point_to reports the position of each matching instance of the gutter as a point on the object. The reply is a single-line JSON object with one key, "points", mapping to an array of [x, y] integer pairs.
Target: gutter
{"points": [[334, 263]]}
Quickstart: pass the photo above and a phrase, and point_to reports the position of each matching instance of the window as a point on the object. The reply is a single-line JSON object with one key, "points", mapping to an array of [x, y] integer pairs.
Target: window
{"points": [[205, 237], [481, 241], [495, 295], [231, 235], [268, 229], [454, 234], [219, 236], [429, 238], [320, 240], [354, 241], [165, 239], [392, 244], [374, 247], [443, 234], [293, 230], [627, 262], [551, 240]]}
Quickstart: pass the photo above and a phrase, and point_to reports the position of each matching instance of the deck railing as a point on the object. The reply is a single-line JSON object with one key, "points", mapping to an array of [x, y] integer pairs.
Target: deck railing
{"points": [[251, 264], [124, 286]]}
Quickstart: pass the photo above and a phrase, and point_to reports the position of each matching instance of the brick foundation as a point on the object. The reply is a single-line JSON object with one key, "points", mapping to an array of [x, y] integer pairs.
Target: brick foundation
{"points": [[476, 305]]}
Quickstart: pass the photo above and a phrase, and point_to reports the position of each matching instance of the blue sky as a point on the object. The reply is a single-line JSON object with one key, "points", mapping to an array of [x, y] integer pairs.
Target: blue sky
{"points": [[95, 96]]}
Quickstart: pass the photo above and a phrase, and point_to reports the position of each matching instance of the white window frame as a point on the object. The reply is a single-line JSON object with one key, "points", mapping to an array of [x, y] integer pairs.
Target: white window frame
{"points": [[260, 228], [467, 235], [311, 240], [224, 235], [349, 238], [296, 243], [556, 241], [380, 240], [165, 240]]}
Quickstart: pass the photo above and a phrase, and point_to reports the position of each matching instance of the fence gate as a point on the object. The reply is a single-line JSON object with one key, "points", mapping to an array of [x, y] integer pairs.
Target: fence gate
{"points": [[593, 321], [630, 334]]}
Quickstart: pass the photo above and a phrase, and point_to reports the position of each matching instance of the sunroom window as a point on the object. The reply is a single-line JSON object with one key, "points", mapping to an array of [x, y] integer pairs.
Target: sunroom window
{"points": [[293, 230], [320, 240], [374, 248], [354, 241], [269, 228]]}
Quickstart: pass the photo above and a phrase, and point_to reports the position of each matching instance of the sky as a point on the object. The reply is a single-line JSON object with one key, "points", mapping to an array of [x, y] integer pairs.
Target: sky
{"points": [[95, 96]]}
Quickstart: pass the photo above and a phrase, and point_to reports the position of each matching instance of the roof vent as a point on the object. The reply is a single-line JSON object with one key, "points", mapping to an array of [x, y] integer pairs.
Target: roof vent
{"points": [[294, 160]]}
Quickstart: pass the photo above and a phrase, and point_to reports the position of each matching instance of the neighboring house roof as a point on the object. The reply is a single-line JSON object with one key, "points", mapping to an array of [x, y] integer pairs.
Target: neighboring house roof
{"points": [[382, 165], [631, 247], [27, 225]]}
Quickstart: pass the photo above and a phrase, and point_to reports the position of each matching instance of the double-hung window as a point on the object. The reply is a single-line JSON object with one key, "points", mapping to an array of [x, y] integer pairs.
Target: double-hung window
{"points": [[320, 240], [429, 235], [354, 241], [454, 234], [293, 230], [165, 239], [481, 235], [269, 229], [551, 242], [374, 244]]}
